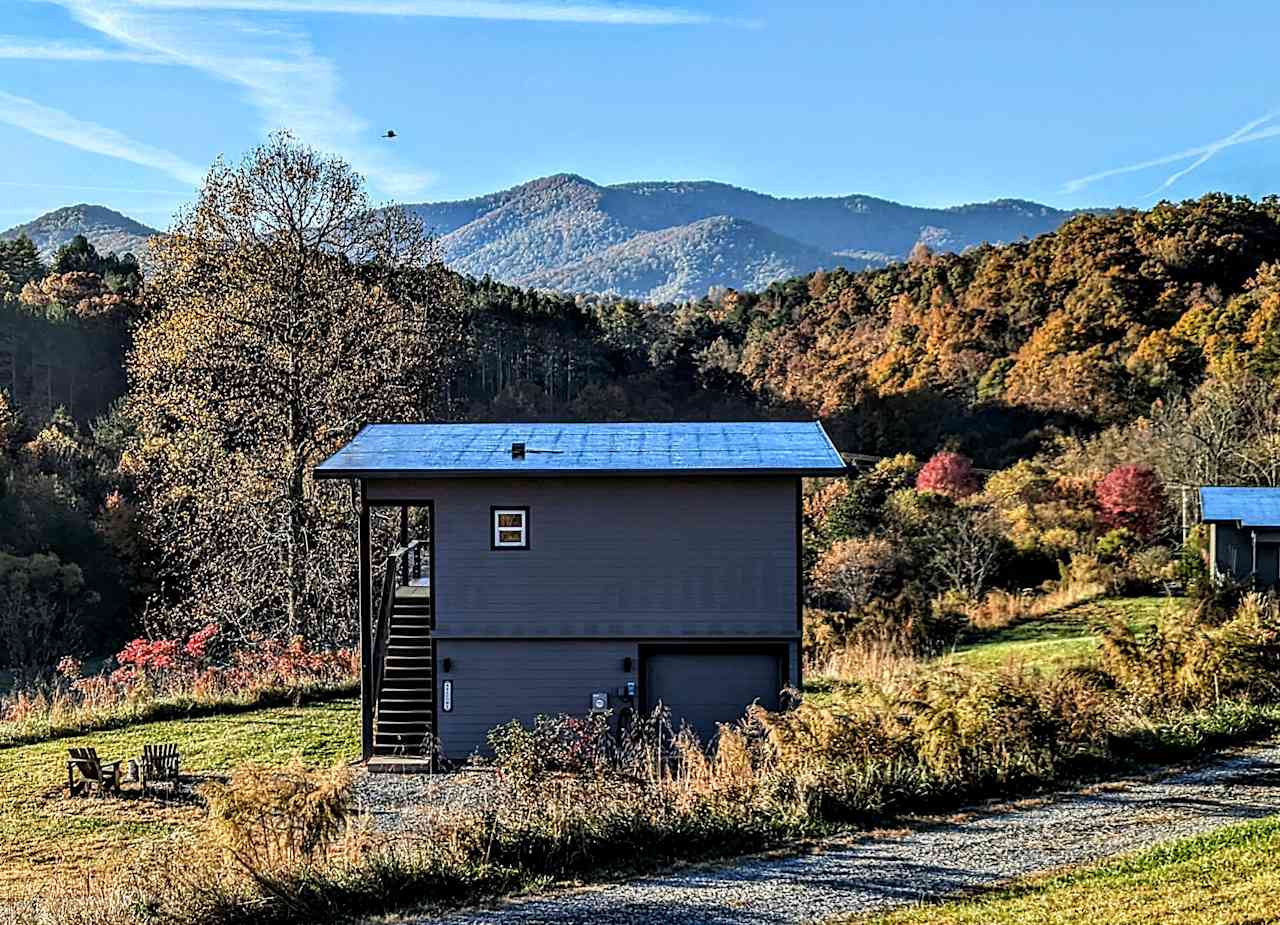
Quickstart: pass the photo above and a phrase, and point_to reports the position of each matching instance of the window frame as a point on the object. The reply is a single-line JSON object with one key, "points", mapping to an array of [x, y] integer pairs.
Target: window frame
{"points": [[494, 511]]}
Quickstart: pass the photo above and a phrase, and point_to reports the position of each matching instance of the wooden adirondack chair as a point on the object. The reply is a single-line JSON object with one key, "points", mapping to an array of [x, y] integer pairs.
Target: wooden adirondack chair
{"points": [[160, 766], [93, 772]]}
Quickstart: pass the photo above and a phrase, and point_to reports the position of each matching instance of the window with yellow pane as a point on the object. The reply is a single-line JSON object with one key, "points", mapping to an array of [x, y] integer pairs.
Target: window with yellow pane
{"points": [[510, 528]]}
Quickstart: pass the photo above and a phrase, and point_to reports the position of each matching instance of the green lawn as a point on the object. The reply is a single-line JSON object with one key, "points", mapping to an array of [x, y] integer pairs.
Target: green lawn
{"points": [[47, 834], [1229, 876], [1058, 640]]}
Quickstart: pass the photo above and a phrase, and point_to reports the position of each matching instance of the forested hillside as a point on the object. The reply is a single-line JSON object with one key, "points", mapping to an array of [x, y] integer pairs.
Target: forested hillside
{"points": [[107, 230], [994, 349]]}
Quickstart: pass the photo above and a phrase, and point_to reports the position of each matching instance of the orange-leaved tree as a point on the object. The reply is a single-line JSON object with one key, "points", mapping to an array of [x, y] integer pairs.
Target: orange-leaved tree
{"points": [[286, 311]]}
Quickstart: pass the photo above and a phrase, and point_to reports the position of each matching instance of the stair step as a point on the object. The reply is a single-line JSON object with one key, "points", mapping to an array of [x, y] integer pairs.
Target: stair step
{"points": [[390, 763]]}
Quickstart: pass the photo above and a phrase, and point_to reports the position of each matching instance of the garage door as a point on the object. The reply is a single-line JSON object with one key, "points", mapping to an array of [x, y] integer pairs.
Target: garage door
{"points": [[705, 687]]}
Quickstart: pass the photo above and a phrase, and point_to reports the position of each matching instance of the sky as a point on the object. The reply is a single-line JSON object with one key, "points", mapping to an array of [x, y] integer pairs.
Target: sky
{"points": [[127, 102]]}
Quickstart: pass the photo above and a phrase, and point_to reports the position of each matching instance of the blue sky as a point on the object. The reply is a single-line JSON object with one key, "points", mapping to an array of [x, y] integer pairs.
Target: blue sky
{"points": [[126, 102]]}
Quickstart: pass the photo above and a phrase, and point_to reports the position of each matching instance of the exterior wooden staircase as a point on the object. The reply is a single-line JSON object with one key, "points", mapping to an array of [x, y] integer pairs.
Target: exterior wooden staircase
{"points": [[404, 717]]}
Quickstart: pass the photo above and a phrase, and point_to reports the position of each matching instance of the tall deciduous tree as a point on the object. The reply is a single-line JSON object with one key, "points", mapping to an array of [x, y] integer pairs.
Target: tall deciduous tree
{"points": [[287, 312]]}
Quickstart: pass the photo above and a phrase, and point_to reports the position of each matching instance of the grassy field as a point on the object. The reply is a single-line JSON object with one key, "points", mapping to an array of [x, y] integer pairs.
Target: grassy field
{"points": [[47, 834], [1058, 640], [1229, 876]]}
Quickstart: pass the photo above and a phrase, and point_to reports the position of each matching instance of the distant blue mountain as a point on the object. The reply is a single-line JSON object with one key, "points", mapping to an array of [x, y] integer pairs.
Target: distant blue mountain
{"points": [[656, 241], [107, 230]]}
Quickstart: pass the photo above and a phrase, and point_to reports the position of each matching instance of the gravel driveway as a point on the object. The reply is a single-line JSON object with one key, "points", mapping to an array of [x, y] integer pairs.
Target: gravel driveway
{"points": [[877, 871]]}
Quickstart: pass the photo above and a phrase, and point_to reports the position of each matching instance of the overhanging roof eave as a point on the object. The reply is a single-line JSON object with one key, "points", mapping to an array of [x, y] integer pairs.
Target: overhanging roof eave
{"points": [[370, 475]]}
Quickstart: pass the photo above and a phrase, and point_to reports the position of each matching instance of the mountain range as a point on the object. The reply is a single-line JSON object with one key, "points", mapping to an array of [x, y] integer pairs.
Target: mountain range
{"points": [[659, 241], [669, 240]]}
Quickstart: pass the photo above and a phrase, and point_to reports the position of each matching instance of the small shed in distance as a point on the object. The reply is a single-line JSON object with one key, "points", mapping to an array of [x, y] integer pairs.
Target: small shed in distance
{"points": [[566, 568], [1244, 532]]}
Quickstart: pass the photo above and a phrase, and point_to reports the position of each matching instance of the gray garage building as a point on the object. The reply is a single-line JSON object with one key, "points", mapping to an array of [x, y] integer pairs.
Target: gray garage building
{"points": [[564, 568]]}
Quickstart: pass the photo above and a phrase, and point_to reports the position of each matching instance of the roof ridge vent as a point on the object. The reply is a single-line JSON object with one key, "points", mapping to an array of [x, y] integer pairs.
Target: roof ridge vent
{"points": [[517, 451]]}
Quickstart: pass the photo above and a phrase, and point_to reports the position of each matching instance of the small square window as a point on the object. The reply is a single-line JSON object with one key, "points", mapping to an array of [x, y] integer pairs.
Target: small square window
{"points": [[510, 528]]}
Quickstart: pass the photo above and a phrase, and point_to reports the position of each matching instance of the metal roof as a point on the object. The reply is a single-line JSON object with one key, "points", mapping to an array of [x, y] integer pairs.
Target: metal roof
{"points": [[382, 451], [1250, 507]]}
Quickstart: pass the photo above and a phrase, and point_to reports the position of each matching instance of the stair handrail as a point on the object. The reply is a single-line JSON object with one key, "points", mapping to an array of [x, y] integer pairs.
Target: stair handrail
{"points": [[382, 629]]}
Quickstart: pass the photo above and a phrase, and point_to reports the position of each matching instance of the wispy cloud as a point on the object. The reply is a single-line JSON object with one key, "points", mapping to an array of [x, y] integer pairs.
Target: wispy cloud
{"points": [[1257, 129], [579, 12], [59, 126], [293, 87], [280, 74], [16, 47]]}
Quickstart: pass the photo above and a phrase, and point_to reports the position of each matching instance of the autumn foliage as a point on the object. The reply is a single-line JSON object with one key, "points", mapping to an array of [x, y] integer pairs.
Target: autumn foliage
{"points": [[1131, 497], [948, 474]]}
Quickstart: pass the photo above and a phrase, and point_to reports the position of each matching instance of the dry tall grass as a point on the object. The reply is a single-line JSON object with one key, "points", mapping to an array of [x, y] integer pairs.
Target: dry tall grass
{"points": [[1000, 609], [1195, 656], [267, 675]]}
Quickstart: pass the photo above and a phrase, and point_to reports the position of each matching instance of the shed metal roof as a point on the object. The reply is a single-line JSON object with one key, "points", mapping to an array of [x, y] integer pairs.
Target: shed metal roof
{"points": [[384, 451], [1250, 507]]}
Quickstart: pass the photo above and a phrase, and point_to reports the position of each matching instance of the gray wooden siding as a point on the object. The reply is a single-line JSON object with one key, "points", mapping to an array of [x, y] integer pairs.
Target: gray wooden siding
{"points": [[495, 681], [1232, 549], [619, 558]]}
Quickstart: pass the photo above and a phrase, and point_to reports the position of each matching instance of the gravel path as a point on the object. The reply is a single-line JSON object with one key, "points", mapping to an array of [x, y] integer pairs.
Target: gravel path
{"points": [[865, 874]]}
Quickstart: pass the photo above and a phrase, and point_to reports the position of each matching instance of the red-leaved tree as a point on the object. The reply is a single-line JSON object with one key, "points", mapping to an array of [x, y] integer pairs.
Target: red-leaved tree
{"points": [[948, 473], [1131, 496]]}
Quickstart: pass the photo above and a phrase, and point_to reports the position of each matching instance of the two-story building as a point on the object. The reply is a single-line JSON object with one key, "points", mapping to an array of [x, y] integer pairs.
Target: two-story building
{"points": [[567, 568]]}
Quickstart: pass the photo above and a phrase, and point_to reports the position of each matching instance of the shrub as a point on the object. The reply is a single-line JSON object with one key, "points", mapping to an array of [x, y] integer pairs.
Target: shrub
{"points": [[561, 743], [1133, 498], [1117, 544], [948, 473], [857, 570], [168, 677], [1192, 659], [268, 818], [1193, 561]]}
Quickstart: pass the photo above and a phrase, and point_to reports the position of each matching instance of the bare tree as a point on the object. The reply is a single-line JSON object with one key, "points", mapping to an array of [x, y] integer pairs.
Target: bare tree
{"points": [[1227, 432], [966, 549], [856, 569]]}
